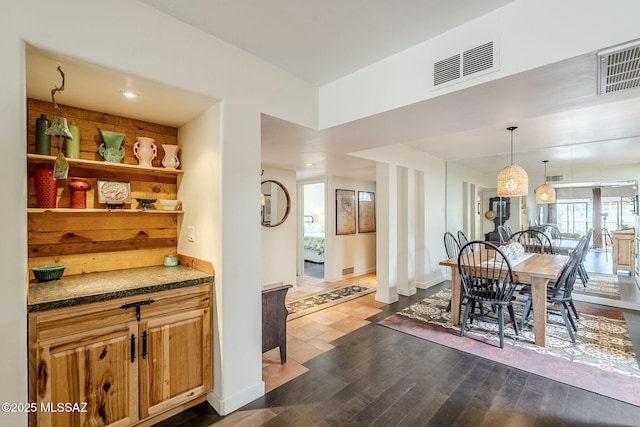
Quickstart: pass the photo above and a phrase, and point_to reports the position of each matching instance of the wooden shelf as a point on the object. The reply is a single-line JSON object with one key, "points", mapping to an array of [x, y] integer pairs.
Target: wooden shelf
{"points": [[93, 165], [93, 210]]}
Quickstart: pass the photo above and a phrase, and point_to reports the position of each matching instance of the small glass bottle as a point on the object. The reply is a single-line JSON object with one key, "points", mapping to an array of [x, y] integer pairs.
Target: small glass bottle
{"points": [[43, 141]]}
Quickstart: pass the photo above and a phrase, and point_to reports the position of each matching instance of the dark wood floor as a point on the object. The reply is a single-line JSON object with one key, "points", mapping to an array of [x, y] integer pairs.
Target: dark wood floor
{"points": [[314, 269], [379, 377]]}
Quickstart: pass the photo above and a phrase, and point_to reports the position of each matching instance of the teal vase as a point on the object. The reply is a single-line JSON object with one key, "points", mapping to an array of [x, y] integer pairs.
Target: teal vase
{"points": [[111, 149]]}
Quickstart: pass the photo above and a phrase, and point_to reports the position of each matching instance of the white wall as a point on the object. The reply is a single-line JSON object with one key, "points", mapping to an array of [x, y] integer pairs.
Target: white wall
{"points": [[314, 204], [410, 212], [531, 33], [151, 45], [278, 248], [457, 178], [347, 250]]}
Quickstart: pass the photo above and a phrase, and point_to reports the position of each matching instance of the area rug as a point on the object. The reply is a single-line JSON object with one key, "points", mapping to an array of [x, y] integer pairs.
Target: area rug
{"points": [[599, 285], [602, 360], [325, 299]]}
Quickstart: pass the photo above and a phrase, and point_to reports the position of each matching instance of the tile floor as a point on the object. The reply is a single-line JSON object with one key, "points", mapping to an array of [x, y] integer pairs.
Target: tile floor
{"points": [[310, 335]]}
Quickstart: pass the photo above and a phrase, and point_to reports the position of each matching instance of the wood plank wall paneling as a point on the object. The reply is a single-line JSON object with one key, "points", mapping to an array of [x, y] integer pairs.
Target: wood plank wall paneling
{"points": [[88, 242], [90, 122], [104, 261]]}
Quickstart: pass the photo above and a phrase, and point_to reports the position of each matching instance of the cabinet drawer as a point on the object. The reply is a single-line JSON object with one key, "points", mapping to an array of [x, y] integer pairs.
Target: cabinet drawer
{"points": [[94, 318], [189, 298]]}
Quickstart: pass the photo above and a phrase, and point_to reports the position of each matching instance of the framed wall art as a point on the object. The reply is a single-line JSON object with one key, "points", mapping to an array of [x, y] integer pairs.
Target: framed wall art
{"points": [[345, 211], [366, 212]]}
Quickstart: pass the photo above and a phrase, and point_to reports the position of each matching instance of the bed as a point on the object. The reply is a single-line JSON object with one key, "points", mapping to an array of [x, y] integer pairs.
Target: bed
{"points": [[313, 240]]}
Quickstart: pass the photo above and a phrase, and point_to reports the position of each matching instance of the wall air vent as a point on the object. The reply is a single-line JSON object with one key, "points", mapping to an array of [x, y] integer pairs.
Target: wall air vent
{"points": [[619, 68], [467, 64], [555, 178], [477, 59], [446, 70], [346, 271]]}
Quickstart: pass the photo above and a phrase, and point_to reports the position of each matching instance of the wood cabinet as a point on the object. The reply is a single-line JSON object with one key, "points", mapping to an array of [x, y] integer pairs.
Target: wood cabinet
{"points": [[131, 360], [128, 360], [624, 251]]}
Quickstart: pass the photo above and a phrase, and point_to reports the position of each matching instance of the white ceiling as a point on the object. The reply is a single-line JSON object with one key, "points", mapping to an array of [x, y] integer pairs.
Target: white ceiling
{"points": [[322, 40], [559, 116]]}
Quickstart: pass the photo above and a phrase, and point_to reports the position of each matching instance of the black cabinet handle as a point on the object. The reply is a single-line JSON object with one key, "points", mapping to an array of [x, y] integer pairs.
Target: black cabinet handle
{"points": [[144, 345], [133, 348], [137, 306]]}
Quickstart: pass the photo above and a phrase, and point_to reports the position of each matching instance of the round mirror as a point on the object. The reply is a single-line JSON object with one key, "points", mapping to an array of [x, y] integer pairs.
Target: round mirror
{"points": [[275, 202]]}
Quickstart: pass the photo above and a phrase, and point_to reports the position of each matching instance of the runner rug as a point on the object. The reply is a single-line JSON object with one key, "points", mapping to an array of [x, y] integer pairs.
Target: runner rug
{"points": [[599, 285], [602, 360], [321, 300]]}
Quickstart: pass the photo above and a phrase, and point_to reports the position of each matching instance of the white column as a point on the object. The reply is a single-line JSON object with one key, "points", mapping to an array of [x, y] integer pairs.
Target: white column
{"points": [[386, 233], [406, 233], [420, 231]]}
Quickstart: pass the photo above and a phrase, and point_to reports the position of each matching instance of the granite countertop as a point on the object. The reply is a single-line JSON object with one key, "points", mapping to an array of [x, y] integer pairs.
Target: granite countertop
{"points": [[95, 287]]}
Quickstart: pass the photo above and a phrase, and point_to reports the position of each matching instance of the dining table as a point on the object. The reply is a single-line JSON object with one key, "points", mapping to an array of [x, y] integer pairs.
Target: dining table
{"points": [[564, 246], [536, 270]]}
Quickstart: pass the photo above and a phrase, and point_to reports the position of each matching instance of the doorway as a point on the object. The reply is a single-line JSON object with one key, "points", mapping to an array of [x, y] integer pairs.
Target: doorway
{"points": [[313, 227]]}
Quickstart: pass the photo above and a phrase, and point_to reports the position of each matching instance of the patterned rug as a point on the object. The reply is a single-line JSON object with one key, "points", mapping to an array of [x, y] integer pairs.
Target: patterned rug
{"points": [[325, 299], [599, 285], [602, 360]]}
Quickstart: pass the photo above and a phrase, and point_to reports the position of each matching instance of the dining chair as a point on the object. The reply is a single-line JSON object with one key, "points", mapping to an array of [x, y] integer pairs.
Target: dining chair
{"points": [[509, 230], [503, 234], [582, 271], [451, 245], [462, 238], [559, 295], [547, 246], [531, 241], [487, 278], [452, 248]]}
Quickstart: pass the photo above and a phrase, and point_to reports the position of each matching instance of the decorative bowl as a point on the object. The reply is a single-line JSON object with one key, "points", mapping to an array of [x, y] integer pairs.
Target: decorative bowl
{"points": [[47, 273], [169, 205], [145, 203]]}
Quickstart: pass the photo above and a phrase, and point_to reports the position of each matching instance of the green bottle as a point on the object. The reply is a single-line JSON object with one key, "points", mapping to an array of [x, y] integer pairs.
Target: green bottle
{"points": [[73, 143], [43, 141]]}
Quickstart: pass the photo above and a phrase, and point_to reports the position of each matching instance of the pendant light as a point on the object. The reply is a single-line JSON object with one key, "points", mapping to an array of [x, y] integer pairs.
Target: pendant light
{"points": [[512, 179], [545, 194]]}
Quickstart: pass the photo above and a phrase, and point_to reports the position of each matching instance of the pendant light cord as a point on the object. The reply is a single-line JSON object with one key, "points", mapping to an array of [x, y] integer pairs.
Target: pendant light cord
{"points": [[511, 129]]}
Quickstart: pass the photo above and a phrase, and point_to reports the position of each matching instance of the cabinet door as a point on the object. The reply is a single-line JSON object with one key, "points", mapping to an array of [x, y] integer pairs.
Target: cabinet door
{"points": [[85, 381], [176, 366]]}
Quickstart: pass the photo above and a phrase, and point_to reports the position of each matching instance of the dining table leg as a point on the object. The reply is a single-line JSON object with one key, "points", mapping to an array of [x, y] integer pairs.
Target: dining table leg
{"points": [[539, 306], [456, 295]]}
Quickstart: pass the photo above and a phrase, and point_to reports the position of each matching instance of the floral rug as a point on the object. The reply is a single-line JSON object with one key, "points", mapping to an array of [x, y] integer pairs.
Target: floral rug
{"points": [[325, 299], [602, 360], [599, 285]]}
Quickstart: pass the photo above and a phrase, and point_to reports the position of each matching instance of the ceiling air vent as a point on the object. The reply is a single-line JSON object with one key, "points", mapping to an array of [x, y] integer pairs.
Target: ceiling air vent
{"points": [[619, 68], [464, 65], [555, 178]]}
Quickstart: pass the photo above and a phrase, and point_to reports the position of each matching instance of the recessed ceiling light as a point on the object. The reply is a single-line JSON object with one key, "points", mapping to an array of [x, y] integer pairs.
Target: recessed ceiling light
{"points": [[308, 164], [129, 94]]}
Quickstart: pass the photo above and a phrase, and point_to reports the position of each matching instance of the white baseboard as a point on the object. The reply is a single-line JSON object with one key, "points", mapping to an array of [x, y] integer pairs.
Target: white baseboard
{"points": [[430, 283], [229, 404]]}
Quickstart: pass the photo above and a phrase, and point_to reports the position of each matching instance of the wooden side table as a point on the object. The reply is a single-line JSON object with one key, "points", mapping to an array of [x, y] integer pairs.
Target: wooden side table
{"points": [[274, 320]]}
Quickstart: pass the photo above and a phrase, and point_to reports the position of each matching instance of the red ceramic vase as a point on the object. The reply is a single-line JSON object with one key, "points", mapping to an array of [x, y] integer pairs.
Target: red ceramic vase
{"points": [[78, 187], [46, 187]]}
